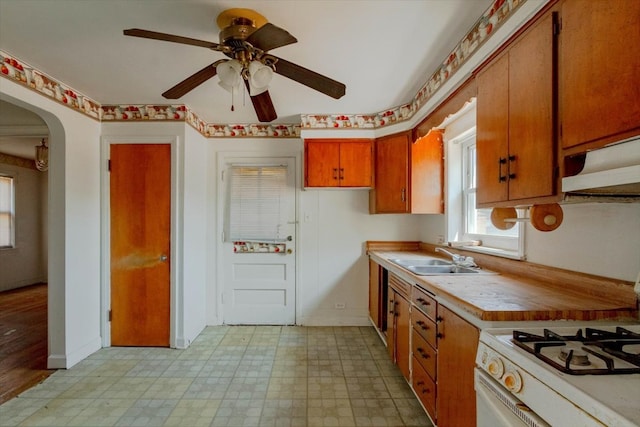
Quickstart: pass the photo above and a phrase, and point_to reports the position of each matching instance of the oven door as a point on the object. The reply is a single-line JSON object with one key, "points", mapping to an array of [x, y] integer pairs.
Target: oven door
{"points": [[496, 407]]}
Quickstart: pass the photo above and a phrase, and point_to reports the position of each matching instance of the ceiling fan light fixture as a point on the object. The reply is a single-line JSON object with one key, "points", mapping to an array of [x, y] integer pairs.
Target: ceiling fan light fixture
{"points": [[230, 73], [260, 76]]}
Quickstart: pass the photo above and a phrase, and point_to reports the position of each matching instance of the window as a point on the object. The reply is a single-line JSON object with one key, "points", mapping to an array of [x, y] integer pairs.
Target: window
{"points": [[7, 211], [257, 203], [464, 222]]}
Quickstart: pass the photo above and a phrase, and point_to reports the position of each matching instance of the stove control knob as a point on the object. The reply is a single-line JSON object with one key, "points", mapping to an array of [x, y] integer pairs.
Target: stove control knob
{"points": [[495, 367], [513, 381]]}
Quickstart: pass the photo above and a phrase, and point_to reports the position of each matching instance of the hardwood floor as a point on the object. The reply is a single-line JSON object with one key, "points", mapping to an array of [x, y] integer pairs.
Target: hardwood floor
{"points": [[23, 339]]}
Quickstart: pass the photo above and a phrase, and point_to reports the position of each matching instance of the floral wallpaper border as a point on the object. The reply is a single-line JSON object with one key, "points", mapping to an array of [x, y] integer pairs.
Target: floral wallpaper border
{"points": [[22, 73]]}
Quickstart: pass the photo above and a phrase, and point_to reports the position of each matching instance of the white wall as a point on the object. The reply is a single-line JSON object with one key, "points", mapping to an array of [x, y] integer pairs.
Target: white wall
{"points": [[23, 265]]}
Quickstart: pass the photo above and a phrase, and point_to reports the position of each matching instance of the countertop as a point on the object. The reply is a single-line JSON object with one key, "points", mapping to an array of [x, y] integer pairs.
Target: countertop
{"points": [[510, 297]]}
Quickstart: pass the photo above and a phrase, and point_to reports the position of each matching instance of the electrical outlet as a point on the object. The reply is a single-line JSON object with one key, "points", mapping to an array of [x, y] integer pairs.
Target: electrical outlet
{"points": [[339, 306]]}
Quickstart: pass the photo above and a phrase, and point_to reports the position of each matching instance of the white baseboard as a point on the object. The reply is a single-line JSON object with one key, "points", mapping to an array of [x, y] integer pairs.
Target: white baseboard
{"points": [[61, 361]]}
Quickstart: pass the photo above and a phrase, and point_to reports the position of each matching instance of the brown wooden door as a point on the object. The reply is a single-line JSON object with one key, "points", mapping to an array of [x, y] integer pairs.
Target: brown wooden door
{"points": [[322, 163], [599, 77], [140, 203], [355, 164], [531, 134], [493, 132], [392, 174], [457, 346]]}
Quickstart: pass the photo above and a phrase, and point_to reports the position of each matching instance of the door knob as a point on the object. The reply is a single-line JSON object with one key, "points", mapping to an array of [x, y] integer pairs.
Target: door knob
{"points": [[289, 251], [163, 257]]}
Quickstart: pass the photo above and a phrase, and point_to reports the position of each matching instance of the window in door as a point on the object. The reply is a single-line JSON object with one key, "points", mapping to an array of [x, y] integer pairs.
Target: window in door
{"points": [[7, 212], [257, 208]]}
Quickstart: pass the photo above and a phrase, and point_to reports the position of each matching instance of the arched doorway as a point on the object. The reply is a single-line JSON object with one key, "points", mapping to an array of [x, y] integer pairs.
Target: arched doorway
{"points": [[54, 241], [23, 259]]}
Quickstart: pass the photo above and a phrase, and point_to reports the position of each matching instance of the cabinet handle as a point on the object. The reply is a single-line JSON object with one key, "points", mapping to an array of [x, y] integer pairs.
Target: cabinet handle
{"points": [[403, 195], [512, 158], [423, 301], [335, 173], [439, 335], [341, 173], [439, 319], [420, 382], [501, 161], [423, 354], [422, 325]]}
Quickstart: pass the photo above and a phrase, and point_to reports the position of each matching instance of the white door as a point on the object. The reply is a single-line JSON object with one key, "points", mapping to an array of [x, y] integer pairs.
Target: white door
{"points": [[259, 270]]}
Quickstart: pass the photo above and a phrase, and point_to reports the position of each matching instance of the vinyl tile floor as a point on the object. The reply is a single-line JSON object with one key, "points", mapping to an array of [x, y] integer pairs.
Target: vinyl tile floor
{"points": [[229, 376]]}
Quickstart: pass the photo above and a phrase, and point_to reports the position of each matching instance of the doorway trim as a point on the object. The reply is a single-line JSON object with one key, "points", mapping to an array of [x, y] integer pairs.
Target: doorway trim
{"points": [[176, 290], [223, 157]]}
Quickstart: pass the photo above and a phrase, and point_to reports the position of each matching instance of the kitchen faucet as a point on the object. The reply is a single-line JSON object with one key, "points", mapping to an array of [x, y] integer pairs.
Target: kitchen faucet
{"points": [[459, 260]]}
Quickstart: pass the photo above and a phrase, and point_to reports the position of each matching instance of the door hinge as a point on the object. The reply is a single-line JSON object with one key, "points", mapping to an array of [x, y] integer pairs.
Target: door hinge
{"points": [[222, 237], [222, 176], [109, 315], [109, 165], [557, 27]]}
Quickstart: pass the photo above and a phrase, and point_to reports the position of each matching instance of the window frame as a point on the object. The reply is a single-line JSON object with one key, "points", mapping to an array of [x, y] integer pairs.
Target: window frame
{"points": [[11, 243]]}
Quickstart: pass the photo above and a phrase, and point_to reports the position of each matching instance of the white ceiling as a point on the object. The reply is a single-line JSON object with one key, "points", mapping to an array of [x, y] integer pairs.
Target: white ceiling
{"points": [[383, 50]]}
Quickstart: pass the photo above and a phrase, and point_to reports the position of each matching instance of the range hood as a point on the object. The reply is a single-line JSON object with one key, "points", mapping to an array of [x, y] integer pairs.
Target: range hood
{"points": [[612, 171]]}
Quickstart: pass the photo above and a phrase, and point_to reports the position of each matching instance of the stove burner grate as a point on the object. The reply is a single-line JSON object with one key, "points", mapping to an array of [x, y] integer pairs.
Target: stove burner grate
{"points": [[611, 343]]}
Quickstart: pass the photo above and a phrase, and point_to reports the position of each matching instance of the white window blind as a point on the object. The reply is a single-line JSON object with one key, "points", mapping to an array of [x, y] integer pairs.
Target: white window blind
{"points": [[6, 212], [257, 203]]}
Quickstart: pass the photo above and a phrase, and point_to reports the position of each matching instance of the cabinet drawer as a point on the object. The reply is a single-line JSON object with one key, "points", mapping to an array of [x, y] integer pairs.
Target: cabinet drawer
{"points": [[424, 353], [424, 302], [424, 326], [399, 285], [425, 388]]}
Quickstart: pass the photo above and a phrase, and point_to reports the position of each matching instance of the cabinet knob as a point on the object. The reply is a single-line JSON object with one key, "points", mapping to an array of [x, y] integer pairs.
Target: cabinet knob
{"points": [[423, 301], [422, 325], [341, 173], [422, 353], [403, 195], [335, 173]]}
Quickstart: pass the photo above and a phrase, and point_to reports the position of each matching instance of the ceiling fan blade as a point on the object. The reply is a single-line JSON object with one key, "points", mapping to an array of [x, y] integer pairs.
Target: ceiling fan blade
{"points": [[270, 37], [146, 34], [191, 82], [263, 105], [310, 78]]}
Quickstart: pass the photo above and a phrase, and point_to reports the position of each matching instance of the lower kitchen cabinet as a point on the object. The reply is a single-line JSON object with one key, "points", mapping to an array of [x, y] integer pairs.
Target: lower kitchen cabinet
{"points": [[398, 324], [457, 346]]}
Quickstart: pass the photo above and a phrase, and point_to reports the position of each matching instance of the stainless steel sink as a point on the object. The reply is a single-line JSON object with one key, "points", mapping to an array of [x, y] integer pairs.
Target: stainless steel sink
{"points": [[434, 270], [436, 267], [421, 262]]}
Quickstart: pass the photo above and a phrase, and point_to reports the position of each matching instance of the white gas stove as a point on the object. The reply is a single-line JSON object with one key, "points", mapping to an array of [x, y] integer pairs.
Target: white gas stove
{"points": [[582, 375]]}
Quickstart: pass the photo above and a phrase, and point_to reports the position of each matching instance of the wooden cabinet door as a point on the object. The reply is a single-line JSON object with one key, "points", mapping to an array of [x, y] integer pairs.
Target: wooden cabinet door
{"points": [[457, 346], [403, 332], [374, 294], [391, 324], [392, 174], [355, 164], [492, 121], [599, 77], [531, 134], [322, 163], [427, 174]]}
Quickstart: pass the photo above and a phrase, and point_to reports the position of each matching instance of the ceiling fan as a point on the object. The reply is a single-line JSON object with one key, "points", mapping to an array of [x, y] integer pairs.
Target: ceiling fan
{"points": [[246, 38]]}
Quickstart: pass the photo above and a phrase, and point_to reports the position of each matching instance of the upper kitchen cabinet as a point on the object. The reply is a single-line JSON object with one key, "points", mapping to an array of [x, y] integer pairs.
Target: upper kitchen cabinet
{"points": [[599, 73], [408, 175], [338, 162], [516, 145]]}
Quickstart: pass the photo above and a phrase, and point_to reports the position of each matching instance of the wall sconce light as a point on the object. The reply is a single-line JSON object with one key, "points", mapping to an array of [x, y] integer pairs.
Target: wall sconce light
{"points": [[42, 156]]}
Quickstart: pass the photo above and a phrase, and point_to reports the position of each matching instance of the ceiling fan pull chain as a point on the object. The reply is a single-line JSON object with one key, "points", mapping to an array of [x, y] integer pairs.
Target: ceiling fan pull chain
{"points": [[232, 99]]}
